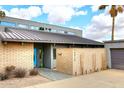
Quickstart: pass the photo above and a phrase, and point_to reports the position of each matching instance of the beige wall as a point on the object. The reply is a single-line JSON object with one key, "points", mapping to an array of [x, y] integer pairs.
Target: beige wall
{"points": [[16, 54], [79, 61], [64, 60]]}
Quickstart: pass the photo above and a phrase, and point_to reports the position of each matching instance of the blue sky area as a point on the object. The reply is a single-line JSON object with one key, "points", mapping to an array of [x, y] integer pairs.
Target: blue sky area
{"points": [[76, 21], [96, 24]]}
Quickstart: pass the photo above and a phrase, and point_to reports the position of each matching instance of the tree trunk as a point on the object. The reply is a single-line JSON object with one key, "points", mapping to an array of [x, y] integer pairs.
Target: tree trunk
{"points": [[113, 28]]}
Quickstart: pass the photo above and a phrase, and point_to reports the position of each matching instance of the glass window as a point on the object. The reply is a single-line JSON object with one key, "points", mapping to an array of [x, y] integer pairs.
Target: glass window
{"points": [[34, 27], [53, 31], [54, 53], [41, 28], [71, 33], [61, 31], [65, 32], [49, 29], [22, 26], [3, 23]]}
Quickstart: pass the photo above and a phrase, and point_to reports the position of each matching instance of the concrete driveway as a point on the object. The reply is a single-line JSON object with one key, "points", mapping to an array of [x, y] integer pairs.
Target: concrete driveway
{"points": [[108, 78]]}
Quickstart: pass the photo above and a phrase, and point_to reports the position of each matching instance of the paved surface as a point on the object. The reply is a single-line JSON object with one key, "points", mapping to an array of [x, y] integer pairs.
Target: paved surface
{"points": [[108, 78], [23, 82], [53, 75]]}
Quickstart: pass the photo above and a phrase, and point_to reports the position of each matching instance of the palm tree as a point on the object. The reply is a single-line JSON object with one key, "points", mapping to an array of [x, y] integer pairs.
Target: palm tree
{"points": [[115, 9], [2, 14]]}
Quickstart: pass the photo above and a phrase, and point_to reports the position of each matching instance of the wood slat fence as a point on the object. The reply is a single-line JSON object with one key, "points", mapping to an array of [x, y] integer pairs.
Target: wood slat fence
{"points": [[78, 61]]}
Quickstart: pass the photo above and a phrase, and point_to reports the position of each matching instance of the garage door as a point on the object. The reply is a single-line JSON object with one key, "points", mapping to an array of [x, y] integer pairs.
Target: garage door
{"points": [[117, 58]]}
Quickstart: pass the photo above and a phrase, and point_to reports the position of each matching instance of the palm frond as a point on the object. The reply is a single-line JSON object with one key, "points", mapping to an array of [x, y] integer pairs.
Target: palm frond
{"points": [[113, 11], [102, 7], [120, 9]]}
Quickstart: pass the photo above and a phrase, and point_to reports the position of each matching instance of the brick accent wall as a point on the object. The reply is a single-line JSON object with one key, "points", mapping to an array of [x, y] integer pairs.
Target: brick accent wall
{"points": [[16, 54]]}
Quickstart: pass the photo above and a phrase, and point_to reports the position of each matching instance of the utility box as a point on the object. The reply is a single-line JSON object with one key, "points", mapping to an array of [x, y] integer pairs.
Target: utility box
{"points": [[78, 61]]}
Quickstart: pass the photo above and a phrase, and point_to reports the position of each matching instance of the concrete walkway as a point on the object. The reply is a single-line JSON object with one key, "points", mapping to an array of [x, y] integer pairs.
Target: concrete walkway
{"points": [[108, 78], [53, 75]]}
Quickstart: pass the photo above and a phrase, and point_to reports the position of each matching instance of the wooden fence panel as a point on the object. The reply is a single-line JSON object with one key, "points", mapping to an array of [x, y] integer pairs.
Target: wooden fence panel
{"points": [[82, 60]]}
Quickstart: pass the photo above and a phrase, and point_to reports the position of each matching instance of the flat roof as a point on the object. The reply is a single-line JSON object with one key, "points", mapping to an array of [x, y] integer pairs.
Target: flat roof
{"points": [[39, 24], [24, 35], [115, 41]]}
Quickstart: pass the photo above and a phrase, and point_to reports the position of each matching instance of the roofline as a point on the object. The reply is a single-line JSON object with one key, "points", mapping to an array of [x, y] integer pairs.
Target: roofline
{"points": [[16, 28], [50, 33], [39, 24], [115, 41], [46, 41]]}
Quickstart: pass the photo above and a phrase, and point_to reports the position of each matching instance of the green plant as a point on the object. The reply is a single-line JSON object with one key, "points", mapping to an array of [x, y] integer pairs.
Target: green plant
{"points": [[2, 14], [33, 72], [114, 10], [107, 67], [20, 73], [9, 68], [4, 76]]}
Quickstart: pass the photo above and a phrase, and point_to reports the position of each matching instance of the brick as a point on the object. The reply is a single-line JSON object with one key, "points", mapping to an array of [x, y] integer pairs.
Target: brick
{"points": [[17, 55]]}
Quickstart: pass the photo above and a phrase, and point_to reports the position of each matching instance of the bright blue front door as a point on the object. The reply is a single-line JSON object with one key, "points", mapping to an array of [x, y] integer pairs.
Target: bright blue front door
{"points": [[35, 57]]}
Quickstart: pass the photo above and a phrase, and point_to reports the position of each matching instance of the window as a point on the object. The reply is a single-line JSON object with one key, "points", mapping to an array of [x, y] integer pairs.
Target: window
{"points": [[65, 32], [71, 33], [54, 53], [53, 31], [46, 29], [41, 28], [3, 23], [34, 27], [61, 32], [22, 26], [49, 29]]}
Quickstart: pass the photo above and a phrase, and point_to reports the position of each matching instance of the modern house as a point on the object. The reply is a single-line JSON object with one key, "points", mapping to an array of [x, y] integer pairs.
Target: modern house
{"points": [[29, 44]]}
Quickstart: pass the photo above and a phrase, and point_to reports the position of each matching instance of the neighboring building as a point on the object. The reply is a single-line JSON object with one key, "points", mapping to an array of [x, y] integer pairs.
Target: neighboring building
{"points": [[30, 48], [115, 54]]}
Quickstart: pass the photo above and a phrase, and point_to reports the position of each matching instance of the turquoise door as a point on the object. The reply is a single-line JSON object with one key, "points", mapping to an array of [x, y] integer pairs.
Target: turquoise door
{"points": [[38, 57], [41, 57], [35, 57]]}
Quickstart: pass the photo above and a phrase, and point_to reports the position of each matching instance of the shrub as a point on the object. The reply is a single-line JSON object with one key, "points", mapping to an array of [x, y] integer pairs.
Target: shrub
{"points": [[3, 76], [107, 67], [20, 73], [33, 72], [9, 68]]}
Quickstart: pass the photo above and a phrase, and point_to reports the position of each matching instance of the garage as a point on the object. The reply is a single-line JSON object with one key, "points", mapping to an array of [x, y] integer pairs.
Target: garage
{"points": [[117, 58], [115, 54]]}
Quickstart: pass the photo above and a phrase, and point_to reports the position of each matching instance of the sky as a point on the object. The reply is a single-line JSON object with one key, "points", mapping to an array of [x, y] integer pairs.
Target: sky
{"points": [[96, 24]]}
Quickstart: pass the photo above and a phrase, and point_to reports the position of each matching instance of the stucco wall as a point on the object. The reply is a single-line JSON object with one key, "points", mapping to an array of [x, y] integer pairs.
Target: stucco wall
{"points": [[108, 46], [16, 54]]}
